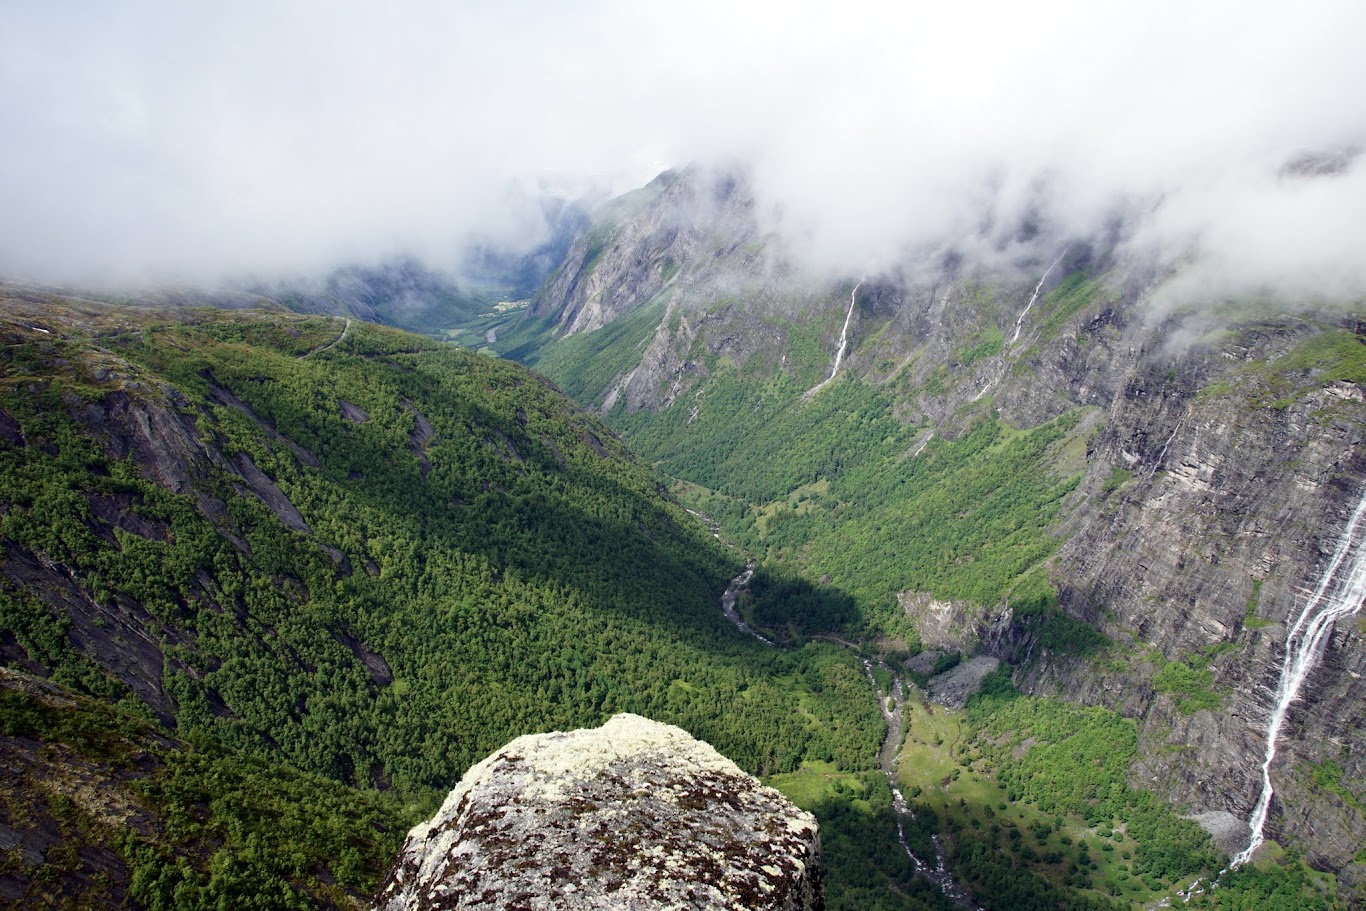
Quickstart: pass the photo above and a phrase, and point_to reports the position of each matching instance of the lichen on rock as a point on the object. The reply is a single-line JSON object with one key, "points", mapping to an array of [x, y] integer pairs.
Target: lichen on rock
{"points": [[634, 814]]}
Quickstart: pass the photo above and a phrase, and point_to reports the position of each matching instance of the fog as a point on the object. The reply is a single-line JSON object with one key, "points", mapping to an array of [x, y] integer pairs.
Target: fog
{"points": [[151, 142]]}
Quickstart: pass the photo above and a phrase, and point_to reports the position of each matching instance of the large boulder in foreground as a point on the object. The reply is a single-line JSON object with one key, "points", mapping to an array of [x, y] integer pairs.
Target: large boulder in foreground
{"points": [[634, 814]]}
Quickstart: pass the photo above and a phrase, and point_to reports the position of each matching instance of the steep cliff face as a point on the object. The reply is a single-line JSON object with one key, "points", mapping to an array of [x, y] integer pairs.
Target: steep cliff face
{"points": [[1219, 487], [634, 814], [1216, 457]]}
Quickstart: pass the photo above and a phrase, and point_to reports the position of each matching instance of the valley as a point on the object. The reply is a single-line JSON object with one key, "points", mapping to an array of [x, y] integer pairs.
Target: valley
{"points": [[859, 457], [1032, 468], [371, 565], [803, 522]]}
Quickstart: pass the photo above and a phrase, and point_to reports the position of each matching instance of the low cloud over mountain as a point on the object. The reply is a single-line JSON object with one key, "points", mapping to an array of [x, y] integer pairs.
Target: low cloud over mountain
{"points": [[154, 142]]}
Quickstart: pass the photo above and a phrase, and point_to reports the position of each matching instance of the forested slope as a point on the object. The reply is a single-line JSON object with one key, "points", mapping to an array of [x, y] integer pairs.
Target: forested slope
{"points": [[347, 551]]}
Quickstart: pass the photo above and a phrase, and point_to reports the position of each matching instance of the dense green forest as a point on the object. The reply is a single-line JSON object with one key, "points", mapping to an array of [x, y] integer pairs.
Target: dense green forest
{"points": [[368, 557]]}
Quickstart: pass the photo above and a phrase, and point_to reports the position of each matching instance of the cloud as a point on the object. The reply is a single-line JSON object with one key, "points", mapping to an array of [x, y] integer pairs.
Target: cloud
{"points": [[157, 141]]}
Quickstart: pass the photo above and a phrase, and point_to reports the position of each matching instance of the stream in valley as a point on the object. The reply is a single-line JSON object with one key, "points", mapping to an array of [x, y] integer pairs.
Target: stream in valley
{"points": [[891, 706], [732, 594]]}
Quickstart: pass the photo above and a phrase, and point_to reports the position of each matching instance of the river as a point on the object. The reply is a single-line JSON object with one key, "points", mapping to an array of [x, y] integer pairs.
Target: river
{"points": [[892, 708]]}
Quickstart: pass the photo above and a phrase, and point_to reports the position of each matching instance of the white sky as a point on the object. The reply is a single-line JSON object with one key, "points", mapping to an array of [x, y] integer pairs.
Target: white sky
{"points": [[173, 141]]}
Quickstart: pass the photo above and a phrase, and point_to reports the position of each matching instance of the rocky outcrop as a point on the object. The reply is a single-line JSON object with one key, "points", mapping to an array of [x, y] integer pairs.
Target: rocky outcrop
{"points": [[942, 625], [634, 814], [1228, 831], [48, 783], [955, 686]]}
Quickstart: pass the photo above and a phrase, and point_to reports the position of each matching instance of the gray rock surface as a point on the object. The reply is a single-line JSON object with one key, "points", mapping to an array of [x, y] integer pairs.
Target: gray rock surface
{"points": [[668, 234], [944, 625], [924, 662], [634, 814], [1230, 833], [953, 687]]}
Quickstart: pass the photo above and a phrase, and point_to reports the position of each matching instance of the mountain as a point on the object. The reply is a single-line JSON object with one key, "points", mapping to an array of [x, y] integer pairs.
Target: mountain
{"points": [[405, 293], [310, 570], [1030, 457], [668, 233], [1014, 551]]}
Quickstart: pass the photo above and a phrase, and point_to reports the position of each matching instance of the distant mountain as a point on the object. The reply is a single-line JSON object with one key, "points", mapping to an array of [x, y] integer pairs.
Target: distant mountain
{"points": [[523, 272], [411, 295]]}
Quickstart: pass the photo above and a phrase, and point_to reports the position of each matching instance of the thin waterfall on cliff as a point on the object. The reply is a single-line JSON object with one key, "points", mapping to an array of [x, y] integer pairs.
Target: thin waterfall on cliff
{"points": [[844, 331], [1019, 324], [1019, 321], [844, 343], [1340, 593]]}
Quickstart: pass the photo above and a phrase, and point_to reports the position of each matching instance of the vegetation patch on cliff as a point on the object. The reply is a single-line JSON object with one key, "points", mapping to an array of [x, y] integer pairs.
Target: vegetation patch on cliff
{"points": [[1191, 685], [107, 810]]}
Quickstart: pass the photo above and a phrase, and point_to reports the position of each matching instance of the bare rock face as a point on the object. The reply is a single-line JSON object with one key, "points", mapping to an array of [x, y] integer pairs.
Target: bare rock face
{"points": [[634, 814], [640, 244], [950, 625], [954, 687]]}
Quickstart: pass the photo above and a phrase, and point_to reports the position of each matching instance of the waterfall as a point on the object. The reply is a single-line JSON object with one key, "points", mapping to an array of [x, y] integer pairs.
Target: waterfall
{"points": [[985, 389], [1019, 325], [1019, 322], [1162, 455], [1340, 593], [844, 332], [844, 343]]}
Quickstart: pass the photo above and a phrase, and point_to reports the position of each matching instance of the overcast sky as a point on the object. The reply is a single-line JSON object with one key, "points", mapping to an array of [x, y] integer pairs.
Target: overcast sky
{"points": [[173, 141]]}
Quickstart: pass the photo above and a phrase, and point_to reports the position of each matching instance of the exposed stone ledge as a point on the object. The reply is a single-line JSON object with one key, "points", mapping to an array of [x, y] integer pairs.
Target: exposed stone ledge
{"points": [[634, 814]]}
